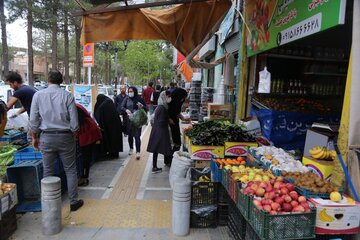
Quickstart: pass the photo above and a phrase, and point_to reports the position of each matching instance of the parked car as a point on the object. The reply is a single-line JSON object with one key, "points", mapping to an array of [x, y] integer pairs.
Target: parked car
{"points": [[66, 87], [106, 90]]}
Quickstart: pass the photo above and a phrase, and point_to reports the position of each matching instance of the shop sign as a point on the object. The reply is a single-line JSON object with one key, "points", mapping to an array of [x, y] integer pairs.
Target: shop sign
{"points": [[88, 55], [274, 23]]}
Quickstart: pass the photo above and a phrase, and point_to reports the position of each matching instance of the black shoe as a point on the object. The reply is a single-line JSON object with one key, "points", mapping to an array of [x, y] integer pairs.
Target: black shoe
{"points": [[77, 205], [168, 165], [156, 170]]}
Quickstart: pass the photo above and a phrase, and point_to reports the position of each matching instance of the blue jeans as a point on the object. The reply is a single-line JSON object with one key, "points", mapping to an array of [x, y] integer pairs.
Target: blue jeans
{"points": [[135, 133]]}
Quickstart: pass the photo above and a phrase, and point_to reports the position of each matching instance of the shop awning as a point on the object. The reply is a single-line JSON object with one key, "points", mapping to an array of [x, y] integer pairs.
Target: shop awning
{"points": [[185, 26]]}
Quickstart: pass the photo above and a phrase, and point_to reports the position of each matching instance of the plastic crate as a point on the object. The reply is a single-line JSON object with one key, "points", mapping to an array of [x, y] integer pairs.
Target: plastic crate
{"points": [[13, 137], [232, 190], [26, 154], [203, 193], [203, 217], [216, 173], [237, 222], [27, 176], [336, 237], [250, 233], [223, 214], [243, 202], [252, 161], [309, 194], [223, 195], [8, 224], [282, 226]]}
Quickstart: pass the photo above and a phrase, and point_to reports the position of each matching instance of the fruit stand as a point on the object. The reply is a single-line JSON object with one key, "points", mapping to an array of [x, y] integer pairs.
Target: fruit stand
{"points": [[267, 193]]}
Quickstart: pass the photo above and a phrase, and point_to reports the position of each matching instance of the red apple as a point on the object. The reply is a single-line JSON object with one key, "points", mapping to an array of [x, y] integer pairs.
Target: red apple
{"points": [[290, 187], [294, 195], [305, 205], [275, 206], [294, 203], [287, 198], [263, 201], [250, 183], [279, 200], [266, 195], [260, 192], [298, 209], [263, 185], [254, 187], [272, 182], [271, 195], [287, 207], [260, 207], [284, 191], [267, 208], [307, 210], [272, 212], [256, 202], [269, 188], [252, 192], [301, 199]]}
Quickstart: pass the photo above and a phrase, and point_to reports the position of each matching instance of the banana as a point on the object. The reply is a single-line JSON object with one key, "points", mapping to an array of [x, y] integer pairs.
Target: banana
{"points": [[325, 217], [315, 150], [319, 155]]}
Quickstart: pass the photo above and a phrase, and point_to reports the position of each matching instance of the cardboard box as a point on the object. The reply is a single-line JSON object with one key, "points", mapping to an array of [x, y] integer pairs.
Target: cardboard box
{"points": [[201, 163], [336, 218], [219, 111], [8, 200], [206, 152], [251, 125], [322, 168], [235, 149]]}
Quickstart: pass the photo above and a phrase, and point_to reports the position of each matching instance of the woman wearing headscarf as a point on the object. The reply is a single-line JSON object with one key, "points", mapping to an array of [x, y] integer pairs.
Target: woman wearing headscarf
{"points": [[88, 135], [110, 123], [159, 141], [178, 96], [130, 104]]}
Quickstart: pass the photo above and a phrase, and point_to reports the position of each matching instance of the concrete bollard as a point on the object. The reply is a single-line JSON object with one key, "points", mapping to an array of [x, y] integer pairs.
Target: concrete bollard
{"points": [[51, 205], [181, 207]]}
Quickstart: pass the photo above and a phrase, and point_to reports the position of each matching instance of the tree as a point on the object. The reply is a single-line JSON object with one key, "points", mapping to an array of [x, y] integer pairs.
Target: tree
{"points": [[54, 32], [66, 42], [5, 51], [30, 42]]}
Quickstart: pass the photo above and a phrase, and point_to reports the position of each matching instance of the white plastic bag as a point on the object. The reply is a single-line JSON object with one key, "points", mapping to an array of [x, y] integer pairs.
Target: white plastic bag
{"points": [[180, 165], [21, 121], [264, 81]]}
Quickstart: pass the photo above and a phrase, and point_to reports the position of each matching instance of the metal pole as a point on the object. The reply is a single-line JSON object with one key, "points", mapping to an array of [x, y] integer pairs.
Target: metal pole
{"points": [[89, 75], [116, 68]]}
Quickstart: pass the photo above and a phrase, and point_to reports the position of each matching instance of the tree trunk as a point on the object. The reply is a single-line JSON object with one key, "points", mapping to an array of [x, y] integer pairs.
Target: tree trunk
{"points": [[5, 51], [78, 56], [66, 47], [54, 31], [46, 57], [30, 76]]}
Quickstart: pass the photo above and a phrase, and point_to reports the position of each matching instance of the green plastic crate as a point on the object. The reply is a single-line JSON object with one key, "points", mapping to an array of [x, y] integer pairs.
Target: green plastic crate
{"points": [[243, 202], [225, 179], [282, 226]]}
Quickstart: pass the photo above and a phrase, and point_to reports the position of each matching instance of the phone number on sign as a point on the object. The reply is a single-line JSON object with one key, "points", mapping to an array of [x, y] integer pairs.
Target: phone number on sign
{"points": [[300, 30]]}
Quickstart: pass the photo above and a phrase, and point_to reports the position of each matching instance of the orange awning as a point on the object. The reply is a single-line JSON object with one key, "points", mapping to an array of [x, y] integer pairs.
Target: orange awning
{"points": [[185, 25]]}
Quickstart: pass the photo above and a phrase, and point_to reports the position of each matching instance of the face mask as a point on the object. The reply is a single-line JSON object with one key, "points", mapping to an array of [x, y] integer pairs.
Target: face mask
{"points": [[168, 100], [131, 94]]}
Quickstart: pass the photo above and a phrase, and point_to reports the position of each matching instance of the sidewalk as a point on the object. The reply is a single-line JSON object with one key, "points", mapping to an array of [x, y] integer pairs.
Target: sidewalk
{"points": [[124, 200]]}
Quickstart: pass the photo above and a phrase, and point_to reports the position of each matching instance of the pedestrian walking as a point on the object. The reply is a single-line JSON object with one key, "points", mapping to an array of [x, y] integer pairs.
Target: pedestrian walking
{"points": [[110, 124], [147, 97], [159, 141], [155, 96], [178, 96], [120, 98], [132, 103], [88, 135], [54, 124]]}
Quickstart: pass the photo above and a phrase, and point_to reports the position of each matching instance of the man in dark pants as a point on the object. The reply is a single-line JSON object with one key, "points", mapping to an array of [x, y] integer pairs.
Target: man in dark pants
{"points": [[54, 123]]}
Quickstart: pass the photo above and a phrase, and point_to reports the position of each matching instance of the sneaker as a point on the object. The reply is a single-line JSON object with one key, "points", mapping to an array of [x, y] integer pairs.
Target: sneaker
{"points": [[156, 170], [77, 205], [137, 156], [131, 151]]}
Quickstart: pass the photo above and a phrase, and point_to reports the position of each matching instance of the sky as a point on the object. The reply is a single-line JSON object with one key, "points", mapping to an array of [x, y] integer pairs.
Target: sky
{"points": [[16, 34]]}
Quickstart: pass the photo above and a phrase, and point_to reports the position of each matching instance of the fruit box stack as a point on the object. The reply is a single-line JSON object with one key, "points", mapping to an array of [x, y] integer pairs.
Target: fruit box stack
{"points": [[8, 197], [341, 217]]}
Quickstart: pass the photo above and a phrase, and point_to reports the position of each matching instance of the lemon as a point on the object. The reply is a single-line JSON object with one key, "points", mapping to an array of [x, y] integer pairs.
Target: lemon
{"points": [[335, 197]]}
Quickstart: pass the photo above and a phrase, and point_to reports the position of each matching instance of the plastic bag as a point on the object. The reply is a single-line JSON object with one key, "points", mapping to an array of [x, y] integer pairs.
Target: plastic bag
{"points": [[264, 81], [179, 167], [21, 121], [139, 118]]}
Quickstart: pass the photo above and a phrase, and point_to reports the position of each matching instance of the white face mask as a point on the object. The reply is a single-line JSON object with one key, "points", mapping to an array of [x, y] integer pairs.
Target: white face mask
{"points": [[168, 99], [131, 94]]}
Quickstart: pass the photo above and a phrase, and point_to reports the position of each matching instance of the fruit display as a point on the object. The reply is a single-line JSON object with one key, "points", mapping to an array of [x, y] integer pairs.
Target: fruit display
{"points": [[277, 197], [278, 159], [246, 174], [311, 182], [228, 162], [6, 187], [213, 133], [322, 153], [335, 196]]}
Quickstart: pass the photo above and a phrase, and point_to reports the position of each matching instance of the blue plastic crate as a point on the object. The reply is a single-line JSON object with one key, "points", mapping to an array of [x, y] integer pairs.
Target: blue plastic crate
{"points": [[13, 137], [216, 172], [27, 176], [27, 154]]}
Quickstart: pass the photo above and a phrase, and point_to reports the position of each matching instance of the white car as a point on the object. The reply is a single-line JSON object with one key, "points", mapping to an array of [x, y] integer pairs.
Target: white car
{"points": [[66, 87], [107, 91]]}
